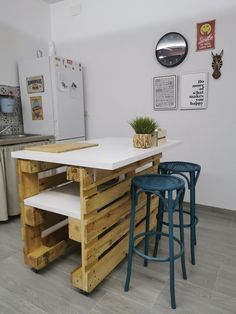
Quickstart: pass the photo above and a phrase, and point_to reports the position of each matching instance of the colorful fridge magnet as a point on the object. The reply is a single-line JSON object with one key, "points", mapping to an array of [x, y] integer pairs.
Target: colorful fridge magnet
{"points": [[35, 84], [36, 108], [206, 35]]}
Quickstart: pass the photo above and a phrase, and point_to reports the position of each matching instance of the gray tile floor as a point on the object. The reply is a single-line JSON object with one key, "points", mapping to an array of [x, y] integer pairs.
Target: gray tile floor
{"points": [[210, 288]]}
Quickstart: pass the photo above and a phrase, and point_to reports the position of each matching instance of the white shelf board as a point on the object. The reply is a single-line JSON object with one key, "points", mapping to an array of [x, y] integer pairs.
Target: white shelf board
{"points": [[64, 200]]}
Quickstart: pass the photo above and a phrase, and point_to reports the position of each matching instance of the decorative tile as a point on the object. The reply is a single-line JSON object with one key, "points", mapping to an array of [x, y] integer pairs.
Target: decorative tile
{"points": [[15, 118]]}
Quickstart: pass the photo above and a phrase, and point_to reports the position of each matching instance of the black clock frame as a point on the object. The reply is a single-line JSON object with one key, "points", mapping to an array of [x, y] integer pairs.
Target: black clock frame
{"points": [[181, 59]]}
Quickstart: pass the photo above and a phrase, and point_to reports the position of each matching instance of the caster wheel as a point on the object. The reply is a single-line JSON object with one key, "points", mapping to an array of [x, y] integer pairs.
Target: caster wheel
{"points": [[83, 292], [36, 271]]}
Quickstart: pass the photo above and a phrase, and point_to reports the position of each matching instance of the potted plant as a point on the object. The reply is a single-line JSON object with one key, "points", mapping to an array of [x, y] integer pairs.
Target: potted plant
{"points": [[144, 127]]}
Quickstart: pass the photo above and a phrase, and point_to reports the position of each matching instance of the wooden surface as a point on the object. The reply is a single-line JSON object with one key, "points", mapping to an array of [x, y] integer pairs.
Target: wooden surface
{"points": [[39, 251], [105, 216], [61, 147]]}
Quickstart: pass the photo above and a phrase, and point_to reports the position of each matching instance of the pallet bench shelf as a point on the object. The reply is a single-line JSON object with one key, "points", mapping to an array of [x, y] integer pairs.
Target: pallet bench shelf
{"points": [[64, 200]]}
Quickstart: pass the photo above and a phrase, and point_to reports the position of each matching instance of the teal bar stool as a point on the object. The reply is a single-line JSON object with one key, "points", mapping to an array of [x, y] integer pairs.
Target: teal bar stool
{"points": [[157, 184], [189, 171]]}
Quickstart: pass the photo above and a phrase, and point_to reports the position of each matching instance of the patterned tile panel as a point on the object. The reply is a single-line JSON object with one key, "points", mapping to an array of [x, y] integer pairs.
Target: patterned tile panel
{"points": [[13, 119]]}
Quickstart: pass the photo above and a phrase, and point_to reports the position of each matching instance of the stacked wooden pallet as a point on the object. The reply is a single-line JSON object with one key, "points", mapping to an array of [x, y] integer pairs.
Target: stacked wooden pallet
{"points": [[100, 222]]}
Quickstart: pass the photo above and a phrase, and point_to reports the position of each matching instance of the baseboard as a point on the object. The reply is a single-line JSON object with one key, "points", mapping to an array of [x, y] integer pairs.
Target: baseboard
{"points": [[213, 209]]}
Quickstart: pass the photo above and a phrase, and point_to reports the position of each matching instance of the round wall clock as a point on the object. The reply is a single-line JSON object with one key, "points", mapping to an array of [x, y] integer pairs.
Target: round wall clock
{"points": [[171, 49]]}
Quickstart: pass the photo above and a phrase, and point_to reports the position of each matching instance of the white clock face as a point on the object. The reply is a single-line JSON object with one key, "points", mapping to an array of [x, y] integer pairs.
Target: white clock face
{"points": [[171, 49]]}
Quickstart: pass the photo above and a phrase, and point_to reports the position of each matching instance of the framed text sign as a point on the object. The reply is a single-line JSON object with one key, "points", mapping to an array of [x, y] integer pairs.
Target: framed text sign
{"points": [[164, 92], [206, 35], [194, 91]]}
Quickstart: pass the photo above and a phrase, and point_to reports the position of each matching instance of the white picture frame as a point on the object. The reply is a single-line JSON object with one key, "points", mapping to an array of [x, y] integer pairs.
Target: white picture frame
{"points": [[194, 91], [164, 92]]}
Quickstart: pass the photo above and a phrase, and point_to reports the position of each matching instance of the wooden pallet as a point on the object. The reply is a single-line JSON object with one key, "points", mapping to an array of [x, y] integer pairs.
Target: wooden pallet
{"points": [[40, 251], [103, 227]]}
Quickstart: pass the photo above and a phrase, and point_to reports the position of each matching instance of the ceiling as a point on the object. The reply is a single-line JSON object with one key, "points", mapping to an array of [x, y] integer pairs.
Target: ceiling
{"points": [[52, 1]]}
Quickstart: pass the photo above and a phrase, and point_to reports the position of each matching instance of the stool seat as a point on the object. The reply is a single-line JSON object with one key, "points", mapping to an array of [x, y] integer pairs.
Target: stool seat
{"points": [[179, 166], [152, 182]]}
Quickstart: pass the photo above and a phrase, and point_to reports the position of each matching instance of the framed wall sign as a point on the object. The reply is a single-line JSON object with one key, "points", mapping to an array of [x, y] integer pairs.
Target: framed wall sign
{"points": [[206, 35], [36, 107], [35, 84], [194, 91], [164, 92]]}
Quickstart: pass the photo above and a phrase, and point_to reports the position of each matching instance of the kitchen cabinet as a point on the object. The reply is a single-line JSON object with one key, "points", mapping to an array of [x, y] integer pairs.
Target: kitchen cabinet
{"points": [[9, 200]]}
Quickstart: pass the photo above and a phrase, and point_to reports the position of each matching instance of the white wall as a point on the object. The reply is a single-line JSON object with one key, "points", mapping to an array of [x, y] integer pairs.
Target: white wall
{"points": [[24, 28], [115, 41]]}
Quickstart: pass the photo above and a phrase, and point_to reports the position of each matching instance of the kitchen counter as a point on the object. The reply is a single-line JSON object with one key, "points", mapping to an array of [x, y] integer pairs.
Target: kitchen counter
{"points": [[23, 138], [110, 154], [9, 201]]}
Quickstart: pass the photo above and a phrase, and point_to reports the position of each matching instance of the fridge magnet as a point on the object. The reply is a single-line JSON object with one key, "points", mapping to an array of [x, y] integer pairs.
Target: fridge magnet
{"points": [[217, 64], [62, 82], [35, 84], [36, 108], [164, 92], [194, 91], [206, 35]]}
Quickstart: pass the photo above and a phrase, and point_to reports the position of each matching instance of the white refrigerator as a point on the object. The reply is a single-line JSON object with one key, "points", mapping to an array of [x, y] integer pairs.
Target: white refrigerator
{"points": [[52, 97]]}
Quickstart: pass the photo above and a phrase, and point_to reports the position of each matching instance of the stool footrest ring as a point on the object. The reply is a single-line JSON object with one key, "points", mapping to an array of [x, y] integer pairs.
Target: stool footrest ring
{"points": [[185, 225], [158, 259]]}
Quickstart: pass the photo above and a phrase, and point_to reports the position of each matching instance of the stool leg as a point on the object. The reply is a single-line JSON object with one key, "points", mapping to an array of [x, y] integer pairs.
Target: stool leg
{"points": [[181, 232], [192, 218], [194, 204], [131, 236], [159, 224], [195, 237], [147, 228], [171, 251]]}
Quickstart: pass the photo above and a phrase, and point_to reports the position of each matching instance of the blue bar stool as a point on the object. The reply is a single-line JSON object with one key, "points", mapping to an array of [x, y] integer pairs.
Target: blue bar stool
{"points": [[157, 184], [190, 172]]}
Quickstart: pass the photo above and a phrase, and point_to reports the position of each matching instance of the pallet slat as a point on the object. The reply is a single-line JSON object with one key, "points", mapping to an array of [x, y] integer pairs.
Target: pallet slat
{"points": [[106, 264], [73, 173], [94, 251], [76, 278], [43, 255], [103, 198], [51, 181], [74, 229], [33, 166], [32, 216]]}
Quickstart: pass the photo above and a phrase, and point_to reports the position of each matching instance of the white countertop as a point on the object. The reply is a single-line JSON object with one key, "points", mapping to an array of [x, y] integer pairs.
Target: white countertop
{"points": [[110, 154]]}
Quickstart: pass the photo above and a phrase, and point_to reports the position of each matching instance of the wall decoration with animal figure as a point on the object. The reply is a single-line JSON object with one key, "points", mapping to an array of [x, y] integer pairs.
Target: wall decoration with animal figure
{"points": [[217, 64]]}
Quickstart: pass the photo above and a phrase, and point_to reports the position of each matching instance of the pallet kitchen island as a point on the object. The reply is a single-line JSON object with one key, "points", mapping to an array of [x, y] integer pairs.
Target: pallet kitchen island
{"points": [[83, 195]]}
